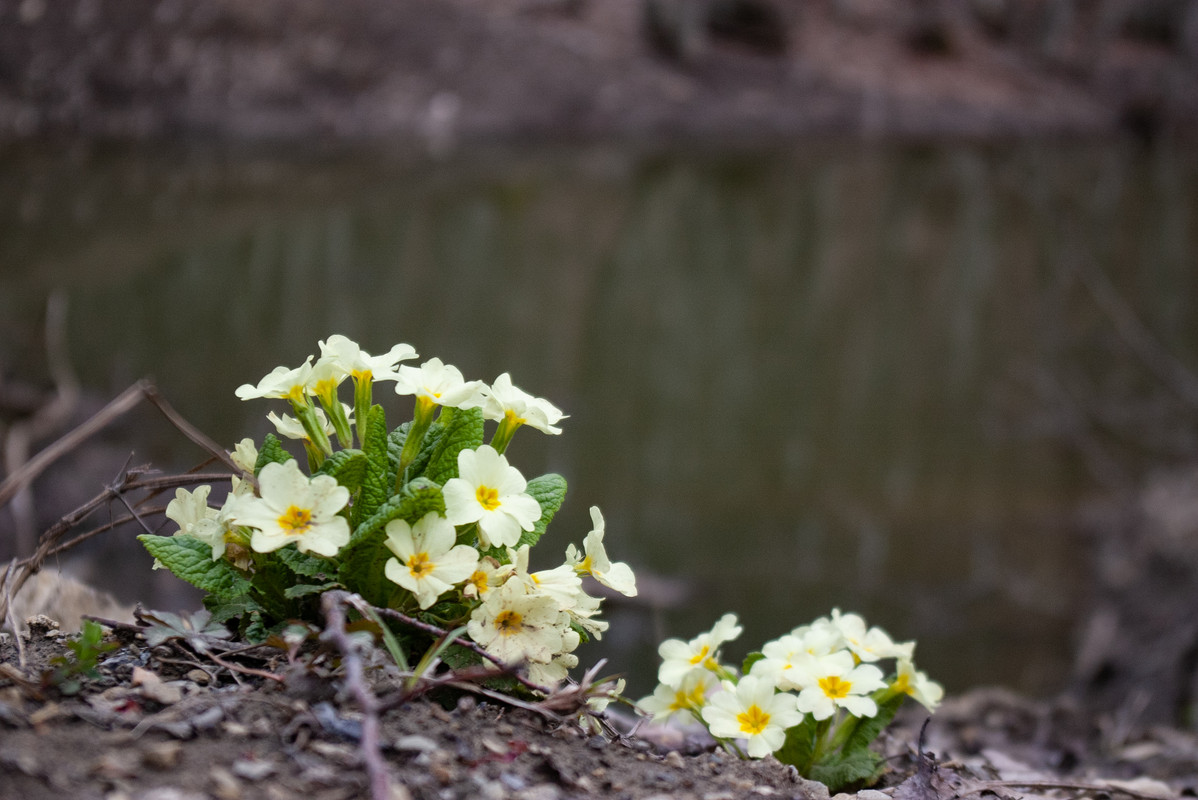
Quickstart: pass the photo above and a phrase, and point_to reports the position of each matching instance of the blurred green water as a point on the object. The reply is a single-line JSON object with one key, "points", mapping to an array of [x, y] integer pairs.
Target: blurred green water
{"points": [[835, 375]]}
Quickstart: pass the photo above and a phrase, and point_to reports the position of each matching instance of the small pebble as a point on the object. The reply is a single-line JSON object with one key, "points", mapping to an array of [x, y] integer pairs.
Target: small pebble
{"points": [[414, 743], [674, 759], [252, 770], [208, 718], [542, 791], [224, 785], [162, 755], [872, 794]]}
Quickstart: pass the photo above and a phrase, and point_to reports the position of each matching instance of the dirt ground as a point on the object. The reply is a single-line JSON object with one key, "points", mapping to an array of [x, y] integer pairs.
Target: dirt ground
{"points": [[441, 72], [168, 723]]}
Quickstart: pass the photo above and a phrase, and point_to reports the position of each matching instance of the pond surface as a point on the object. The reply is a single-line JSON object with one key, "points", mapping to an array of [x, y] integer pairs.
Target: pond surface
{"points": [[831, 375]]}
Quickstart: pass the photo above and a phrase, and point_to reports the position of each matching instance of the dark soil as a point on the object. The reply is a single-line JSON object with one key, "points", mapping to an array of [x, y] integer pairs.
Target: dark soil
{"points": [[164, 722], [443, 71]]}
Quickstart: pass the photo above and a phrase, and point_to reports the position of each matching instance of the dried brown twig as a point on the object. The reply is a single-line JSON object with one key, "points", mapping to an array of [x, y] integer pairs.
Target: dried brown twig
{"points": [[127, 481], [334, 604]]}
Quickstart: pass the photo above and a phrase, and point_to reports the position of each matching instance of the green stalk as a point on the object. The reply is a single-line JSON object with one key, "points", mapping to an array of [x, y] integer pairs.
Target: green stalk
{"points": [[411, 446], [363, 388]]}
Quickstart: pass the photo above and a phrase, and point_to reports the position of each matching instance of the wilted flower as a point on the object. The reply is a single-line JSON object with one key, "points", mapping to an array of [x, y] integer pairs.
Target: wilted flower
{"points": [[515, 626]]}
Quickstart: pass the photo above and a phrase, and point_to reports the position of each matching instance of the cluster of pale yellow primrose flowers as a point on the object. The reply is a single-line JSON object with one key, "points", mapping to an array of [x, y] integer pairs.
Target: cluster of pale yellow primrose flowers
{"points": [[517, 615], [828, 669]]}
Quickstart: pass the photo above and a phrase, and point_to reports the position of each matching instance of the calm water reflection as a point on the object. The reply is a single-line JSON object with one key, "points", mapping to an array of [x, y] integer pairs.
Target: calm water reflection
{"points": [[796, 379]]}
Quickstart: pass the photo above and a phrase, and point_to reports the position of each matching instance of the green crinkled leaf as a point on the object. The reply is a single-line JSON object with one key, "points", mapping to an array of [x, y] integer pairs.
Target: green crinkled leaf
{"points": [[464, 432], [799, 746], [224, 610], [417, 498], [303, 589], [550, 491], [269, 587], [457, 657], [253, 629], [362, 569], [348, 467], [378, 479], [866, 729], [305, 564], [362, 560], [395, 443], [191, 559], [271, 452], [845, 771]]}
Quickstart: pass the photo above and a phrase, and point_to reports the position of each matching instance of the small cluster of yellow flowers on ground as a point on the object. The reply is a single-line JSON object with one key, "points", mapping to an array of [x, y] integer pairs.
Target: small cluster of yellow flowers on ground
{"points": [[521, 617], [827, 671]]}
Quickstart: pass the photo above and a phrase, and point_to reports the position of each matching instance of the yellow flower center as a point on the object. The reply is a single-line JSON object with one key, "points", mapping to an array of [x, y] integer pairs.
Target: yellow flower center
{"points": [[511, 418], [834, 687], [585, 567], [295, 520], [479, 580], [509, 622], [753, 720], [326, 389], [902, 685], [701, 655], [488, 498], [420, 565]]}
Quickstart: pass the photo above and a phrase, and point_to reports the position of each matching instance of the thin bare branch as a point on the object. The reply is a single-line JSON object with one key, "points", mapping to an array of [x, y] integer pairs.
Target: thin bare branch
{"points": [[334, 604], [35, 466]]}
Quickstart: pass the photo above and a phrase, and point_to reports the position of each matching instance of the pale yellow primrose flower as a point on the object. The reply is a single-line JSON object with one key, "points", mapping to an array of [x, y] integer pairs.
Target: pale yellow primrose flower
{"points": [[190, 511], [679, 657], [785, 660], [669, 703], [436, 383], [820, 637], [751, 710], [294, 508], [515, 626], [428, 563], [245, 455], [837, 681], [873, 644], [560, 583], [490, 492], [289, 427], [560, 665], [487, 575], [345, 355], [282, 382], [926, 692], [617, 575], [504, 402]]}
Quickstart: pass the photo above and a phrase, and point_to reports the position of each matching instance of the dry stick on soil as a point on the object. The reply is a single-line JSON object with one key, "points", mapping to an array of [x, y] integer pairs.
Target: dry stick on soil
{"points": [[44, 421], [1093, 787], [28, 472], [357, 602], [49, 540], [334, 604]]}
